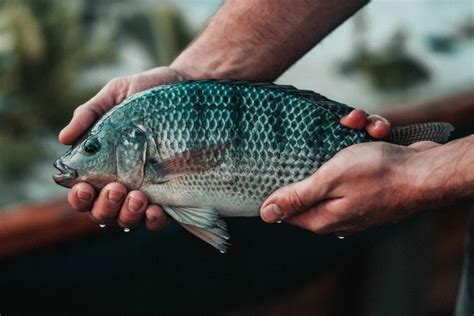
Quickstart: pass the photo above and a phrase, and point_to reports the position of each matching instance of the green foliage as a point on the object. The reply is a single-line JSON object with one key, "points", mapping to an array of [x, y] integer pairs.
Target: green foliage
{"points": [[390, 68], [164, 26], [45, 45], [49, 46]]}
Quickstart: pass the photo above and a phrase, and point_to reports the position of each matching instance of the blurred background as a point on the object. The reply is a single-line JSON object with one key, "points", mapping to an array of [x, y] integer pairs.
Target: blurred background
{"points": [[412, 61]]}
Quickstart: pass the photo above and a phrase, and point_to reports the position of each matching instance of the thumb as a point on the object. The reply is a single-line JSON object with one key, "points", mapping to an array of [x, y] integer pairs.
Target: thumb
{"points": [[291, 200]]}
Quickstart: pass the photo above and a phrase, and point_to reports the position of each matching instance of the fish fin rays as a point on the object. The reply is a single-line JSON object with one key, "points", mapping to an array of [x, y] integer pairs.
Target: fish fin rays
{"points": [[216, 237], [204, 223], [190, 161], [438, 132], [205, 217]]}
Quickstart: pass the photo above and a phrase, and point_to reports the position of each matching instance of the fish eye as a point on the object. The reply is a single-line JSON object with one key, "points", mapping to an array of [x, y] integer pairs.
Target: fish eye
{"points": [[91, 147]]}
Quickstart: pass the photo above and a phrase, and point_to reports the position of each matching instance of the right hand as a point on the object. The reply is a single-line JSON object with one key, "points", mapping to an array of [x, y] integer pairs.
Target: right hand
{"points": [[114, 203]]}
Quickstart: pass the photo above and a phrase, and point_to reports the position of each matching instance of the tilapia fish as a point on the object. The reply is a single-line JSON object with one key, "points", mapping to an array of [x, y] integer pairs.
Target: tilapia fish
{"points": [[204, 150]]}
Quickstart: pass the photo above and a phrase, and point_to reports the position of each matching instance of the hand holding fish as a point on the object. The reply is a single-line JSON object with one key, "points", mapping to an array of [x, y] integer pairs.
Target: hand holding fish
{"points": [[210, 149], [362, 186], [370, 184], [114, 204]]}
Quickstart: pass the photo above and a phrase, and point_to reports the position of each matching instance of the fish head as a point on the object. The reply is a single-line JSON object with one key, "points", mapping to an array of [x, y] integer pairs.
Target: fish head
{"points": [[91, 160]]}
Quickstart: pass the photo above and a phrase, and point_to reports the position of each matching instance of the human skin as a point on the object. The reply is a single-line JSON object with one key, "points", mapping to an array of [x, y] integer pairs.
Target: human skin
{"points": [[249, 40], [371, 184]]}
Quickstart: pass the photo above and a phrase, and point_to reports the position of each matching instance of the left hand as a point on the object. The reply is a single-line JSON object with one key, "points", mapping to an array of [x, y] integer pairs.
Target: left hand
{"points": [[362, 186]]}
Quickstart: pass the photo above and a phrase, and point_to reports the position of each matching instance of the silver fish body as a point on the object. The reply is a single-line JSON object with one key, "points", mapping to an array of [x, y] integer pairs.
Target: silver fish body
{"points": [[211, 149]]}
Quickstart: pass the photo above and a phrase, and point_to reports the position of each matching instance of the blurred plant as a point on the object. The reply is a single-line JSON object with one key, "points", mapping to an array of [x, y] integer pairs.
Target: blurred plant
{"points": [[390, 68], [45, 45], [163, 32], [449, 43], [48, 45]]}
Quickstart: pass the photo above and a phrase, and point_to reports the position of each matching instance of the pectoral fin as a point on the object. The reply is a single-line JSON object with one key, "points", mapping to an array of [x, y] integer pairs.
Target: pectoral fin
{"points": [[190, 161], [204, 223]]}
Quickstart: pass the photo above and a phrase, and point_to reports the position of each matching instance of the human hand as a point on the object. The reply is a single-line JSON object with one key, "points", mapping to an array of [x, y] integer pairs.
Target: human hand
{"points": [[362, 186], [114, 203]]}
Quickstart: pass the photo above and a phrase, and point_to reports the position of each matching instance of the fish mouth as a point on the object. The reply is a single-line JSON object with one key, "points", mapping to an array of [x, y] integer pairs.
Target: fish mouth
{"points": [[66, 176]]}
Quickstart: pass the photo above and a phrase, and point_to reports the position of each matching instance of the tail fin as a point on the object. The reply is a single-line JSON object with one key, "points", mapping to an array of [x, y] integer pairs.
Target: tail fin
{"points": [[405, 135]]}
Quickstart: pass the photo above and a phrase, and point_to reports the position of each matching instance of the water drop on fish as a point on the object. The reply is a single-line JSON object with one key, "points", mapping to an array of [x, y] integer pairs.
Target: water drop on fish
{"points": [[102, 225], [126, 230]]}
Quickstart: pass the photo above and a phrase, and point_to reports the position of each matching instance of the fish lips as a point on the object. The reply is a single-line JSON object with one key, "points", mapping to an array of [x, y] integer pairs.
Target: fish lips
{"points": [[67, 177]]}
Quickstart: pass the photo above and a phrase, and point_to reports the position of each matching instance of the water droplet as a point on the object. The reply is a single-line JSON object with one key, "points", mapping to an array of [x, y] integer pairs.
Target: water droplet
{"points": [[340, 236], [279, 222], [222, 251], [126, 230], [102, 225]]}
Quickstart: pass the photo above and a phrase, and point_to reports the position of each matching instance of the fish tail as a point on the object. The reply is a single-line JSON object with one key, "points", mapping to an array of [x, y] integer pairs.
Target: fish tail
{"points": [[438, 132]]}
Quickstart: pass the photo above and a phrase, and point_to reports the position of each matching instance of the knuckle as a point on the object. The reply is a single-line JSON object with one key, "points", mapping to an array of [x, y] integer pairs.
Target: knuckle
{"points": [[296, 202], [113, 82], [116, 84], [78, 110]]}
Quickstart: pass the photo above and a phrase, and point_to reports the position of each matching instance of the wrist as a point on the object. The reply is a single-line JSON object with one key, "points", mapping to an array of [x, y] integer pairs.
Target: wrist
{"points": [[189, 70], [443, 175], [406, 183], [418, 185], [222, 63]]}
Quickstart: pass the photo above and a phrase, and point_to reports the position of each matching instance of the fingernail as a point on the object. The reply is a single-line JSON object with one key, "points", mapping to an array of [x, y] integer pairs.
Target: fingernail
{"points": [[134, 204], [84, 196], [151, 218], [115, 196], [272, 213], [378, 124]]}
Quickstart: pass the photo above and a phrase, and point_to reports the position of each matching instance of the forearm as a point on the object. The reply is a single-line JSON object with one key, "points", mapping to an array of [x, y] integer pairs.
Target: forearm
{"points": [[260, 39], [444, 174]]}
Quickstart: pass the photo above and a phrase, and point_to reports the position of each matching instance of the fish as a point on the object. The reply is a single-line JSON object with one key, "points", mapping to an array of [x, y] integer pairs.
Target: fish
{"points": [[210, 149]]}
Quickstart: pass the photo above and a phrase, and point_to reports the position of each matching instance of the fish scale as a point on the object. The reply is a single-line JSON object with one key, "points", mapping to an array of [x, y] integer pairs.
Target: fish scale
{"points": [[266, 143], [204, 150]]}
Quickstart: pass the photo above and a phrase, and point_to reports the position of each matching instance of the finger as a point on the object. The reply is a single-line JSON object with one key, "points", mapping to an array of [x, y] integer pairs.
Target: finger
{"points": [[109, 202], [81, 196], [377, 126], [155, 217], [133, 209], [114, 92], [424, 145], [355, 120], [323, 218], [291, 199]]}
